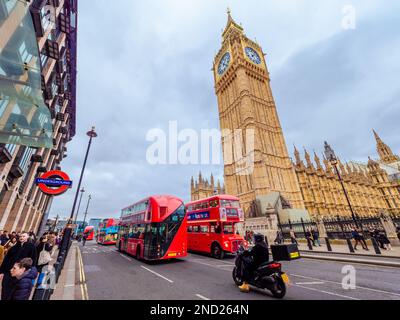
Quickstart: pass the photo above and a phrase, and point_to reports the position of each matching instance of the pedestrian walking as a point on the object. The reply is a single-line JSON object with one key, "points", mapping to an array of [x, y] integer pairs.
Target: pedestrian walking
{"points": [[2, 253], [315, 235], [309, 237], [24, 274], [32, 237], [385, 241], [23, 249], [293, 237], [357, 238], [4, 238], [84, 239], [43, 253], [11, 243], [279, 237]]}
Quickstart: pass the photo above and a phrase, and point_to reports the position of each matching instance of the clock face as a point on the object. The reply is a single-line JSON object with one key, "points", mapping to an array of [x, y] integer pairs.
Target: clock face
{"points": [[253, 55], [224, 63]]}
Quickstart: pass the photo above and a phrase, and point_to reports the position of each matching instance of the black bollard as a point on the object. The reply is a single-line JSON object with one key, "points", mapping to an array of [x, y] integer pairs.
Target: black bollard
{"points": [[39, 294], [350, 245], [376, 246], [310, 247], [328, 244]]}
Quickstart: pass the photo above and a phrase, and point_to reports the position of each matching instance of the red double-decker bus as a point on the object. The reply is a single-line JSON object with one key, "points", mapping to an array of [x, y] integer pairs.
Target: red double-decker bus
{"points": [[89, 232], [154, 229], [108, 232], [212, 225]]}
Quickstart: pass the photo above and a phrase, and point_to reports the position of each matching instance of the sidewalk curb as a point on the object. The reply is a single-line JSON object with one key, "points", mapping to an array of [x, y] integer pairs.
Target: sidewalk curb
{"points": [[350, 254], [361, 261]]}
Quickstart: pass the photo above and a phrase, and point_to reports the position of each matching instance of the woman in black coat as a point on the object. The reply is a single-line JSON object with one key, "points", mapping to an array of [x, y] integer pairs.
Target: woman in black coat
{"points": [[43, 245]]}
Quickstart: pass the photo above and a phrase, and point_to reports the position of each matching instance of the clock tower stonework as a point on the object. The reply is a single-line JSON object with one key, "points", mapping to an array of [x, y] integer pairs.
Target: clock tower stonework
{"points": [[246, 104]]}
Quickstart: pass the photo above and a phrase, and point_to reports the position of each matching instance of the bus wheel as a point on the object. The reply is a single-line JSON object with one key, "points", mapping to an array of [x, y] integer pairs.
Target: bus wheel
{"points": [[138, 253], [217, 252]]}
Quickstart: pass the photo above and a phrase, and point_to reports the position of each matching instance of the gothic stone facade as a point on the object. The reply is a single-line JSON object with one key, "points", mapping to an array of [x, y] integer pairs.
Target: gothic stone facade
{"points": [[202, 188], [371, 189], [242, 86]]}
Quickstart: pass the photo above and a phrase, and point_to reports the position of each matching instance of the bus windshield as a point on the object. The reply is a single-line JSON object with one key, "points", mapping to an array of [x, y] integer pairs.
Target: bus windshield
{"points": [[230, 204], [229, 228]]}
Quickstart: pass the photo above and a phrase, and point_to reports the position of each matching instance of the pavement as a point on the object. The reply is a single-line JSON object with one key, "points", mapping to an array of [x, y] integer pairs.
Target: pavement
{"points": [[71, 283], [389, 258], [344, 249], [103, 273]]}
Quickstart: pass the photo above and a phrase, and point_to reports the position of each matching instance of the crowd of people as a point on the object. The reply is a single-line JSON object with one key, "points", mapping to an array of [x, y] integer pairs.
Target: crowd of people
{"points": [[22, 259]]}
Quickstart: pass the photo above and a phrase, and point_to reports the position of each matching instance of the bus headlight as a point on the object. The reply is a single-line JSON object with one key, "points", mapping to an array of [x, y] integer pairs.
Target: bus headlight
{"points": [[226, 244]]}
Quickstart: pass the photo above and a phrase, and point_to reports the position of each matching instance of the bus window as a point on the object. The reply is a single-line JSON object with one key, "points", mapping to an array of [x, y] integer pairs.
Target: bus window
{"points": [[204, 229], [228, 229], [204, 205], [218, 228], [214, 203], [190, 229], [195, 228]]}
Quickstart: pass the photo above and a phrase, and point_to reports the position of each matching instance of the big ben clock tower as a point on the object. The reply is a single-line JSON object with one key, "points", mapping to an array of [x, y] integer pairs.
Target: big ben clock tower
{"points": [[245, 103]]}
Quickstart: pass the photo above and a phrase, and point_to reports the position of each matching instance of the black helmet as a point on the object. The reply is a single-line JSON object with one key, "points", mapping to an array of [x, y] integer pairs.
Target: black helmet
{"points": [[259, 237]]}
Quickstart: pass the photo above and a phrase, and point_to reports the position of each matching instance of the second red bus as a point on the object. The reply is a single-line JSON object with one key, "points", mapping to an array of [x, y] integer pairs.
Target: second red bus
{"points": [[212, 225]]}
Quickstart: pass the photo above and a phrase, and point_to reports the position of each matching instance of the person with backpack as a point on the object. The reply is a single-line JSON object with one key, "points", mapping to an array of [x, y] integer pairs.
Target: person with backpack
{"points": [[43, 253]]}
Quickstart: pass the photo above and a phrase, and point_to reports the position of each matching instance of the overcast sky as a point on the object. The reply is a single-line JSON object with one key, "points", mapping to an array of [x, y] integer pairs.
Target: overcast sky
{"points": [[142, 64]]}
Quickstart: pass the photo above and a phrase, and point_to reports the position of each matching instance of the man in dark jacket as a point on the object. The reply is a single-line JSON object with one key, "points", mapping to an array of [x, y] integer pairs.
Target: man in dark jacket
{"points": [[4, 238], [260, 255], [24, 275], [23, 249]]}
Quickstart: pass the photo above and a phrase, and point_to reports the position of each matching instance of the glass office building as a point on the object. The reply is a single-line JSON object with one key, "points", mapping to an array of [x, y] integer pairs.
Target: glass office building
{"points": [[37, 103]]}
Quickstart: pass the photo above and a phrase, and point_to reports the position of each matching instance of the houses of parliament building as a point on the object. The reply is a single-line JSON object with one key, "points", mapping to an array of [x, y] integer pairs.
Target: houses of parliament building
{"points": [[308, 183]]}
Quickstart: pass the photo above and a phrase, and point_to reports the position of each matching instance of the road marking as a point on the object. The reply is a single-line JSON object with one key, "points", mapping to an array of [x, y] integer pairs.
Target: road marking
{"points": [[225, 265], [157, 274], [327, 292], [315, 282], [202, 297], [123, 256], [69, 285], [84, 290], [357, 287]]}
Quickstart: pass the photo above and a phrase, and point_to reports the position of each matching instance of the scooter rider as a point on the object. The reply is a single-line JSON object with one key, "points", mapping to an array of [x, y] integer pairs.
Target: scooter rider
{"points": [[260, 255]]}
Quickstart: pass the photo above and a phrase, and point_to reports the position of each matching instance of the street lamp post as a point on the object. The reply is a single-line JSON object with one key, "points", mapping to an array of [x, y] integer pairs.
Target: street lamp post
{"points": [[68, 230], [331, 157], [79, 205], [87, 207]]}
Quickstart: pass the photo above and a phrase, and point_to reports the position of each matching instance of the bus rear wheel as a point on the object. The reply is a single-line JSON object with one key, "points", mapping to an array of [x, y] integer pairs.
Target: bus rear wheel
{"points": [[217, 252], [137, 253]]}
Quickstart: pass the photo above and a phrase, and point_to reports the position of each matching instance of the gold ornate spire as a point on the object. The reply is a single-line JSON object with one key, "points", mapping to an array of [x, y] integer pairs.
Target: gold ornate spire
{"points": [[231, 24], [385, 153]]}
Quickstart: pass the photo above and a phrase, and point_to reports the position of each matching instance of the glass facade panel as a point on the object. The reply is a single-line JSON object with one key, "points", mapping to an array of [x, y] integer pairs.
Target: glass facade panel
{"points": [[24, 117]]}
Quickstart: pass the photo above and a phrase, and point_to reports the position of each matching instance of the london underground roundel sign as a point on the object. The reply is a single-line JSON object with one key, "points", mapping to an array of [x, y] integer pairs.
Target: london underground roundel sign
{"points": [[54, 182]]}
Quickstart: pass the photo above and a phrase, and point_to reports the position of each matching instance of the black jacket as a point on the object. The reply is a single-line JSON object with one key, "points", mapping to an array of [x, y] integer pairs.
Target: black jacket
{"points": [[17, 253], [260, 254], [3, 239], [22, 287]]}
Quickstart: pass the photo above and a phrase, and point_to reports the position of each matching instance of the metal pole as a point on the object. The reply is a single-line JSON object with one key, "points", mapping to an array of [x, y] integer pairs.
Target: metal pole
{"points": [[349, 244], [87, 207], [67, 232], [345, 193], [79, 205]]}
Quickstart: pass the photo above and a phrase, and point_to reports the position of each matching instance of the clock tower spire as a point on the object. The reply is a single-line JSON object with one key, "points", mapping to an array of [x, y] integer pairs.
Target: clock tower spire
{"points": [[246, 104]]}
